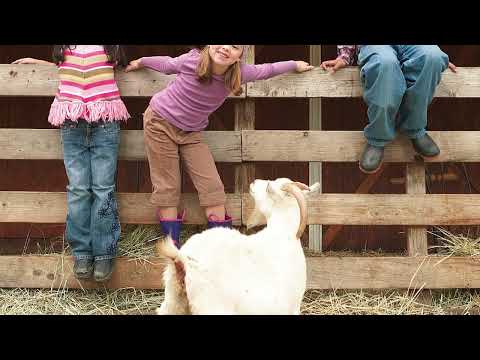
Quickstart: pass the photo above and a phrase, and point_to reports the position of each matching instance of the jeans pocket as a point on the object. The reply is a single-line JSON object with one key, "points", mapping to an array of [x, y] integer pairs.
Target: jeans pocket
{"points": [[68, 125], [111, 127]]}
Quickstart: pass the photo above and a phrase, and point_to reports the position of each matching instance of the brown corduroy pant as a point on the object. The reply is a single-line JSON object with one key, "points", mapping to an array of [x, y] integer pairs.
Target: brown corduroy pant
{"points": [[165, 144]]}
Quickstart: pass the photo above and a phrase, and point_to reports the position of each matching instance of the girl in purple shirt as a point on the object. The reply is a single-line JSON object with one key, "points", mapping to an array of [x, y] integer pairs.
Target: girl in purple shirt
{"points": [[176, 116]]}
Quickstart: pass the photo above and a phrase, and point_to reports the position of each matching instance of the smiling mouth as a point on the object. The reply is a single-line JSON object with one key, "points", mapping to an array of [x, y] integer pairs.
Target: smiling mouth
{"points": [[222, 55]]}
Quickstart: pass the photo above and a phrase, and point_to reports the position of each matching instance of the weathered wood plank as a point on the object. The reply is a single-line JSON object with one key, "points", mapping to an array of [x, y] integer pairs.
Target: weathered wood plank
{"points": [[346, 83], [42, 80], [323, 272], [134, 208], [245, 120], [56, 271], [392, 272], [363, 188], [315, 232], [417, 242], [347, 146], [347, 209], [45, 144], [388, 209], [329, 209]]}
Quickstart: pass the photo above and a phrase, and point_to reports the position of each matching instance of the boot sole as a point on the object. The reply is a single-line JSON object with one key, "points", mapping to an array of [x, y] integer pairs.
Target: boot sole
{"points": [[83, 276], [371, 172], [426, 156], [104, 279]]}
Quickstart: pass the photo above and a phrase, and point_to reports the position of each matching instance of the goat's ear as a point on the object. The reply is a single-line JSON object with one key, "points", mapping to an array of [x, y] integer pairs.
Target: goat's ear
{"points": [[311, 190], [315, 188], [256, 218]]}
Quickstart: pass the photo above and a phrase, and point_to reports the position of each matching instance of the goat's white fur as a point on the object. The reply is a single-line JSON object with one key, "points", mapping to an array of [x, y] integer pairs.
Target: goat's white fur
{"points": [[227, 272]]}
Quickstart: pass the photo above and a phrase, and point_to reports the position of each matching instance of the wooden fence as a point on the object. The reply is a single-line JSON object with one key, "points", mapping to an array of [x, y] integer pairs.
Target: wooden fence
{"points": [[245, 146]]}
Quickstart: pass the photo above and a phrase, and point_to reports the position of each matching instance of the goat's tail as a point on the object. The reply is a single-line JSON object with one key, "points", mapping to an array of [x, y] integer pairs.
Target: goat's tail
{"points": [[167, 248]]}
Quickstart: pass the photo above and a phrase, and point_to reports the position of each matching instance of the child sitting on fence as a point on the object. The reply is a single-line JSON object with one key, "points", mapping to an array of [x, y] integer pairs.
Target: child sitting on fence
{"points": [[88, 109], [399, 82], [176, 116]]}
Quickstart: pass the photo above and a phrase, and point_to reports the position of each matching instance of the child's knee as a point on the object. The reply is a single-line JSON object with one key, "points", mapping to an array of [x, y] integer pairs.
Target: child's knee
{"points": [[433, 58]]}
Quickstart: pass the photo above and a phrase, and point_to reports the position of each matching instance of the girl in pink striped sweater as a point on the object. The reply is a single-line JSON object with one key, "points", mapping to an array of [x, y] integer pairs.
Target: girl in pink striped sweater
{"points": [[88, 109]]}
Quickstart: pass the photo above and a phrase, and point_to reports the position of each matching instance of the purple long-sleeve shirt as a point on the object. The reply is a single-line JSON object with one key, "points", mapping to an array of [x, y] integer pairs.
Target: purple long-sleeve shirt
{"points": [[186, 103]]}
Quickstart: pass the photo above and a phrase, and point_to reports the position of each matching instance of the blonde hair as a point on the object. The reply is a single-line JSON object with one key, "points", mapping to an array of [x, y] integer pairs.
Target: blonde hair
{"points": [[233, 75]]}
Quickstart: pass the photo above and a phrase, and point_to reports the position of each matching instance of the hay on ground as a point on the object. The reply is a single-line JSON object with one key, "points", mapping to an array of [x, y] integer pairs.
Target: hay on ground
{"points": [[455, 244], [144, 302]]}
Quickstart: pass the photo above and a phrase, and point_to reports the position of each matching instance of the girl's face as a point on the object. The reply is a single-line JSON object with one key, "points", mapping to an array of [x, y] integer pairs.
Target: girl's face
{"points": [[225, 55]]}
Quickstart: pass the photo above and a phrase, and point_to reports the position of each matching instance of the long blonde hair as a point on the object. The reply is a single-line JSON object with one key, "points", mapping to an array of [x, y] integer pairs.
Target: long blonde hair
{"points": [[233, 76]]}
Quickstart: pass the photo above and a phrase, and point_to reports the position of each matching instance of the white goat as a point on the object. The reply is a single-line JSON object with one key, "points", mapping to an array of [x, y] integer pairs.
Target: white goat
{"points": [[221, 271]]}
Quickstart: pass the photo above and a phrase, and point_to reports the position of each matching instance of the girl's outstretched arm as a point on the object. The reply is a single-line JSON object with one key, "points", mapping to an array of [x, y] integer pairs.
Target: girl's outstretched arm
{"points": [[267, 71], [163, 64], [32, 61]]}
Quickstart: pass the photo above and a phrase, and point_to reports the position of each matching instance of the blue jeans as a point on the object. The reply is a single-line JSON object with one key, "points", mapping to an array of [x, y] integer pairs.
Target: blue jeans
{"points": [[90, 157], [399, 82]]}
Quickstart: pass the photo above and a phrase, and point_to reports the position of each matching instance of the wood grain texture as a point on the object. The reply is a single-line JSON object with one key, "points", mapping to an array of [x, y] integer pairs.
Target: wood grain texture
{"points": [[347, 146], [346, 83], [134, 208], [45, 144], [42, 80], [388, 209]]}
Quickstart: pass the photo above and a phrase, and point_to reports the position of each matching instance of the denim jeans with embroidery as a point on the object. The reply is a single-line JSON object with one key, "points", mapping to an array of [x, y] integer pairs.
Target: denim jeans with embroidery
{"points": [[399, 82], [90, 157]]}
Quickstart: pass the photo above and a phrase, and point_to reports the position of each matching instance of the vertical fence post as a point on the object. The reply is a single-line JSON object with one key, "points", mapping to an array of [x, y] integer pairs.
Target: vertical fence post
{"points": [[245, 120], [315, 168], [417, 244]]}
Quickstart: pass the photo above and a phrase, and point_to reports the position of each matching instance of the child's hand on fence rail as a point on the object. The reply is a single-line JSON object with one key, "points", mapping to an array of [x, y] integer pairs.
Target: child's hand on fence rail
{"points": [[333, 65], [134, 65], [32, 61], [303, 66]]}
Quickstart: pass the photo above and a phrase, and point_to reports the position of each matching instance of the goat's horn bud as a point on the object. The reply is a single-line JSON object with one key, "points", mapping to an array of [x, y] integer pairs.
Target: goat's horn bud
{"points": [[294, 189]]}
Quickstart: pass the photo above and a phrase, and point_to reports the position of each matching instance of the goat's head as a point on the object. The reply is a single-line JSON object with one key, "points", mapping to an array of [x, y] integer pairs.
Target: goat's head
{"points": [[281, 193]]}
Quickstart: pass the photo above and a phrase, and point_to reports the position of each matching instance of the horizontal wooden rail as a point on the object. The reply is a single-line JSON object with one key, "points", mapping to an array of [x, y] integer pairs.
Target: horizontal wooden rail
{"points": [[326, 272], [332, 272], [347, 146], [255, 145], [45, 144], [388, 209], [42, 80], [346, 83], [326, 209], [56, 271], [134, 208]]}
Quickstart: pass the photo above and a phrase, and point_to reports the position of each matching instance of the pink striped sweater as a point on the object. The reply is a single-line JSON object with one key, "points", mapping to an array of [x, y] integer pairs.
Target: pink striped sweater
{"points": [[87, 88]]}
